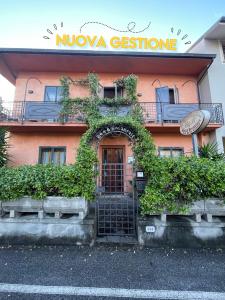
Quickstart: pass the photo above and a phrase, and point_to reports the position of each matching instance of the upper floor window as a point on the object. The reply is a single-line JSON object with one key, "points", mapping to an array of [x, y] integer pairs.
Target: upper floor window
{"points": [[170, 151], [52, 155], [53, 93], [112, 91], [167, 95]]}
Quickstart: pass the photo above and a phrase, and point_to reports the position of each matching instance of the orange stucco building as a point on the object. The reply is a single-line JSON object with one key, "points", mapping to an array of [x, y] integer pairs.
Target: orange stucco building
{"points": [[167, 90]]}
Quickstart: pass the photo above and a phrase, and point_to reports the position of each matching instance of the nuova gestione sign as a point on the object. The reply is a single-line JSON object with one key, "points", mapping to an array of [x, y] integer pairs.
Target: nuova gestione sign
{"points": [[116, 42]]}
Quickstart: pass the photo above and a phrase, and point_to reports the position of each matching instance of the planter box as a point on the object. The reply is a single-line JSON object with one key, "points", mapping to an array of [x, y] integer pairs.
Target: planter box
{"points": [[215, 206], [23, 205], [56, 205], [197, 207], [62, 205], [207, 207]]}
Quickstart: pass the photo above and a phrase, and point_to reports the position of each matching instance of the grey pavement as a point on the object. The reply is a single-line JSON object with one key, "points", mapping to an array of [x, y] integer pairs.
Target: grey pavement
{"points": [[111, 267]]}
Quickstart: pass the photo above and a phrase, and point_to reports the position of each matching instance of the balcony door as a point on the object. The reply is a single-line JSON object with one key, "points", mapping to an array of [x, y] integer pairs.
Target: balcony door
{"points": [[112, 169], [164, 97]]}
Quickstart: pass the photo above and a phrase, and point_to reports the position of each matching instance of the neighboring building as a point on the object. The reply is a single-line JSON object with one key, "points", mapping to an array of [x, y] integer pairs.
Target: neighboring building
{"points": [[212, 85], [167, 90]]}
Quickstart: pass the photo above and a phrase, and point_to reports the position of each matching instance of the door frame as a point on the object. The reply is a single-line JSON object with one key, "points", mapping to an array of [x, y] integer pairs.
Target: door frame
{"points": [[102, 147]]}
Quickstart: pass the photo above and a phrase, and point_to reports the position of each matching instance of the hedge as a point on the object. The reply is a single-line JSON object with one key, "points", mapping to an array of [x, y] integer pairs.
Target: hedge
{"points": [[172, 186], [44, 180], [176, 183]]}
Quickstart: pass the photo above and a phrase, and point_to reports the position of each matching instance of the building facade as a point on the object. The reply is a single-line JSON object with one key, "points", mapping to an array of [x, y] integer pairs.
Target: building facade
{"points": [[167, 90], [211, 87]]}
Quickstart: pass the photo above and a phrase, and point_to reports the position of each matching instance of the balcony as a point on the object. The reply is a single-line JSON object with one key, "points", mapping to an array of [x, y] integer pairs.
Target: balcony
{"points": [[38, 113], [174, 113]]}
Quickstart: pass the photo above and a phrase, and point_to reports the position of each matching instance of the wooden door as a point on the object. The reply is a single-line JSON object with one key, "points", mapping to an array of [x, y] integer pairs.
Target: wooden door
{"points": [[113, 169]]}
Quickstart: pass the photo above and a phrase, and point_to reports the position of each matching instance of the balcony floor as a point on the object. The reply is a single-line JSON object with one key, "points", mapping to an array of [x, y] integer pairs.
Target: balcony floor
{"points": [[81, 127]]}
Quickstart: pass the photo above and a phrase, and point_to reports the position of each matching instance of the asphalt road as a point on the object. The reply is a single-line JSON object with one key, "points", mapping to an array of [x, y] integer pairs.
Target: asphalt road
{"points": [[111, 267]]}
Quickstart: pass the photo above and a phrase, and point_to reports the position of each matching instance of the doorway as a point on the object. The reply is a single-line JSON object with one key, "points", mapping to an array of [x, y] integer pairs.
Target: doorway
{"points": [[112, 170], [115, 201]]}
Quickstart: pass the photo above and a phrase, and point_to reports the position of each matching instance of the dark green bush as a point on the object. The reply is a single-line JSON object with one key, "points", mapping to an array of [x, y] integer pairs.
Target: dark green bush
{"points": [[176, 183], [40, 181]]}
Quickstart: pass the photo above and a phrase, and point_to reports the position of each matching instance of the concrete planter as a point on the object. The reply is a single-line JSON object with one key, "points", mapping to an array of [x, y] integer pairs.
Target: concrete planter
{"points": [[207, 207], [62, 205], [198, 207], [23, 205], [215, 206], [55, 205]]}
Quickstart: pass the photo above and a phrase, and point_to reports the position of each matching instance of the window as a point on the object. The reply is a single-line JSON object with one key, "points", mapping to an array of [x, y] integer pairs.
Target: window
{"points": [[53, 93], [110, 92], [171, 96], [170, 151], [167, 95], [52, 155]]}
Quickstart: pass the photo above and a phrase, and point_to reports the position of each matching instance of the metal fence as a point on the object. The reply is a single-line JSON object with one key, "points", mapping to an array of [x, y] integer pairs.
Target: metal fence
{"points": [[174, 113], [153, 112]]}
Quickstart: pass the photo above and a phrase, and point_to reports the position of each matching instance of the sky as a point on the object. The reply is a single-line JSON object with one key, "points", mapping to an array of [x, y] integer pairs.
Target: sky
{"points": [[23, 24]]}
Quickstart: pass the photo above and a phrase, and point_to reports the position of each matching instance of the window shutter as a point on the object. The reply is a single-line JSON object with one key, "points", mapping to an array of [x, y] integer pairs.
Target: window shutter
{"points": [[162, 94]]}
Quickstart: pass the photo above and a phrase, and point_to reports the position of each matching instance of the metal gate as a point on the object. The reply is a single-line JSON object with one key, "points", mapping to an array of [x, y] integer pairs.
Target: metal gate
{"points": [[115, 200]]}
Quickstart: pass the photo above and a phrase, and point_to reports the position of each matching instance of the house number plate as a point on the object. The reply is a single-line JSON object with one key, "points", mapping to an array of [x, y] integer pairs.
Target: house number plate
{"points": [[149, 229]]}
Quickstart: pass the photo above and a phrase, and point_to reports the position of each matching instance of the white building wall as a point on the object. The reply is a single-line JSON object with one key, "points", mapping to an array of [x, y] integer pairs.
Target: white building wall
{"points": [[212, 87]]}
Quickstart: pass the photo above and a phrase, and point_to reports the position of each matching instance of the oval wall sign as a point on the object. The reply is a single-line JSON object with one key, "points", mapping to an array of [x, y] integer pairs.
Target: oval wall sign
{"points": [[194, 122]]}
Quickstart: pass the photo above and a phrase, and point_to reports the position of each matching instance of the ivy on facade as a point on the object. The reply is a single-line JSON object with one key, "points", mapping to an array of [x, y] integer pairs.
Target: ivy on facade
{"points": [[143, 146]]}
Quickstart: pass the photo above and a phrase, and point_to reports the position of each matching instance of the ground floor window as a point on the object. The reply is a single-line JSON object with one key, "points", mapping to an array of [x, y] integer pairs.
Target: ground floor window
{"points": [[170, 151], [52, 155]]}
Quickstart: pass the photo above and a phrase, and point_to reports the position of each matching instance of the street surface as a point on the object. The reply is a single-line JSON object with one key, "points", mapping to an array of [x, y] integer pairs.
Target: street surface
{"points": [[57, 272]]}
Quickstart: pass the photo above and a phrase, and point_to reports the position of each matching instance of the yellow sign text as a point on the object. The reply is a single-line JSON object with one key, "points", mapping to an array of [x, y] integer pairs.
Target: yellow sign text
{"points": [[116, 42]]}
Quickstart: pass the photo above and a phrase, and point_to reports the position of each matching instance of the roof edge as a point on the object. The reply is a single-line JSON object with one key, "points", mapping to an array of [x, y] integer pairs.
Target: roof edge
{"points": [[105, 53], [221, 20]]}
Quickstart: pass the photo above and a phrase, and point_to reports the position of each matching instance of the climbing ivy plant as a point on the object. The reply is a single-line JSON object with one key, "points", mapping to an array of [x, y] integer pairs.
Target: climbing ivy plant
{"points": [[143, 147]]}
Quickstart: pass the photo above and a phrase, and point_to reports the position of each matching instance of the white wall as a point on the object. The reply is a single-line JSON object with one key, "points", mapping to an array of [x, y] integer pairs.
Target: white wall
{"points": [[212, 87]]}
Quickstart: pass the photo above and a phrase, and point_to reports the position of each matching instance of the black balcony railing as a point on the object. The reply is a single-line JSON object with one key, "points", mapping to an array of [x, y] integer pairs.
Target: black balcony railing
{"points": [[38, 111], [174, 113]]}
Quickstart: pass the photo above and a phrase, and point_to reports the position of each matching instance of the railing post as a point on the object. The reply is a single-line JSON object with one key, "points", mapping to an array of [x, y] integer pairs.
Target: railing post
{"points": [[161, 113], [23, 112]]}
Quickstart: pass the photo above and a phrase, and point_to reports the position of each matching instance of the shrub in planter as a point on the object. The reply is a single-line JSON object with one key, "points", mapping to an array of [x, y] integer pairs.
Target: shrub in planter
{"points": [[176, 183], [40, 181]]}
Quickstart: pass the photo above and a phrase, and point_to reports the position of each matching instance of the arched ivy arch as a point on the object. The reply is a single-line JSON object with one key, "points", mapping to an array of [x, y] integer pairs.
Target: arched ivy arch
{"points": [[143, 148], [130, 125]]}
